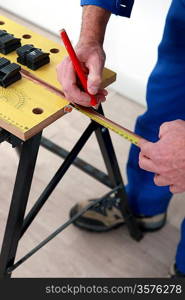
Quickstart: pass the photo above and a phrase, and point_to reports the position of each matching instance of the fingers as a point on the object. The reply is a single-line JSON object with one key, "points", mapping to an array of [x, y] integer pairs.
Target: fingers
{"points": [[165, 158], [67, 77], [169, 126], [94, 78], [103, 92], [74, 94], [141, 142], [101, 96], [148, 149], [161, 180], [147, 164], [174, 189], [164, 128]]}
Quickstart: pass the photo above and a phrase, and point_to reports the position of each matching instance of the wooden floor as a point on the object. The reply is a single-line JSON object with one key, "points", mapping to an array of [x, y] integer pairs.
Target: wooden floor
{"points": [[76, 253]]}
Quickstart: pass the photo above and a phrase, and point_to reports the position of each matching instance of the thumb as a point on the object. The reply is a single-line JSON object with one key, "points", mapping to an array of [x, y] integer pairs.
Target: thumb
{"points": [[164, 128], [147, 148], [94, 78], [142, 142]]}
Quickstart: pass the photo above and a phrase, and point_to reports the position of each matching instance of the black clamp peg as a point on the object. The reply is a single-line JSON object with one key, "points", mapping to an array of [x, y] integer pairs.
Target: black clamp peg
{"points": [[32, 57], [9, 72], [8, 42]]}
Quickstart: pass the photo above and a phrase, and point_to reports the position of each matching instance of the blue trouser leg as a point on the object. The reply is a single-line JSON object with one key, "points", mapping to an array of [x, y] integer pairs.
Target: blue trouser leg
{"points": [[165, 102], [180, 254]]}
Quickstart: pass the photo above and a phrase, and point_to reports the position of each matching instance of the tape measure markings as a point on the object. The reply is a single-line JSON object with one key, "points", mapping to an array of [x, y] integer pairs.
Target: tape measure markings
{"points": [[12, 122], [100, 119]]}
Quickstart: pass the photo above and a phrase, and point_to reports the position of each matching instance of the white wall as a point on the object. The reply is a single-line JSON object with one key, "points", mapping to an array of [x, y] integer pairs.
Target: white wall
{"points": [[131, 44]]}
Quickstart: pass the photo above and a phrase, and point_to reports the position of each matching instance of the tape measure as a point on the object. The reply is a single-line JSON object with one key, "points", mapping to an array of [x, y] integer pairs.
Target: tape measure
{"points": [[89, 112], [100, 119]]}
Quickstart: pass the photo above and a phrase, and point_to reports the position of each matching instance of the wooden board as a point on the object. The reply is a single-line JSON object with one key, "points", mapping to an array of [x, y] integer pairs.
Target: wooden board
{"points": [[18, 101]]}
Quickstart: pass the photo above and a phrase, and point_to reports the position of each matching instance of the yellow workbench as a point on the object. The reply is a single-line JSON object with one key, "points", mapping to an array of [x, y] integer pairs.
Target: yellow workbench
{"points": [[19, 101]]}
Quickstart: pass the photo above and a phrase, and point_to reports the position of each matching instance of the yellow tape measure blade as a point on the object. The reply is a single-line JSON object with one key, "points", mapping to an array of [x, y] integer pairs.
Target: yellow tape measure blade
{"points": [[100, 119]]}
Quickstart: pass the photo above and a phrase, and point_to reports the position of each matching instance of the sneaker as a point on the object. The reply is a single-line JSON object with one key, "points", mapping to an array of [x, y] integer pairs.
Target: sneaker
{"points": [[106, 215], [174, 273]]}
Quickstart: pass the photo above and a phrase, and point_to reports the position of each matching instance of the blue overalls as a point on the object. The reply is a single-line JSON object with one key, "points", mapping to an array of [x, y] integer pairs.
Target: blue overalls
{"points": [[165, 102]]}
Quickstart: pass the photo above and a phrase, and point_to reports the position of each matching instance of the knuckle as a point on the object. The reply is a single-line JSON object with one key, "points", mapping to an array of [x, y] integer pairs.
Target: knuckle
{"points": [[172, 189], [165, 125], [65, 90], [141, 164], [179, 123], [95, 79], [156, 180], [101, 54]]}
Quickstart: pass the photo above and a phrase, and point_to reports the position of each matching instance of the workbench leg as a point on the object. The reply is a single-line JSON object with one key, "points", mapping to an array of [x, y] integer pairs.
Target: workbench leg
{"points": [[109, 156], [18, 203], [18, 150]]}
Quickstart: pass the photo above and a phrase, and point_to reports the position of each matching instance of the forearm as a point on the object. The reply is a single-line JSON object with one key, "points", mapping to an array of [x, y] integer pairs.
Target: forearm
{"points": [[94, 23]]}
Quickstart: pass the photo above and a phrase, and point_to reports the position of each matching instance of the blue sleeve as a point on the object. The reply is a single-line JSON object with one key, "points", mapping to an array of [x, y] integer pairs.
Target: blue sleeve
{"points": [[118, 7]]}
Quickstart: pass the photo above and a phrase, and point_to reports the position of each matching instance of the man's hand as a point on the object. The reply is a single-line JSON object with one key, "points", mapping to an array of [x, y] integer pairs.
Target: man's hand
{"points": [[90, 53], [92, 57], [166, 158]]}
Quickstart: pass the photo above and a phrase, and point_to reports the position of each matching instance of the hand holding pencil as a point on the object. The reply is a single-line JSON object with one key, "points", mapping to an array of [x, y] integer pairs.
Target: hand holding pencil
{"points": [[72, 70]]}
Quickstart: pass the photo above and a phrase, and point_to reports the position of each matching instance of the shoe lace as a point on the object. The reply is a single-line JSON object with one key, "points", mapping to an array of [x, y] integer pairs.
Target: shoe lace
{"points": [[107, 203]]}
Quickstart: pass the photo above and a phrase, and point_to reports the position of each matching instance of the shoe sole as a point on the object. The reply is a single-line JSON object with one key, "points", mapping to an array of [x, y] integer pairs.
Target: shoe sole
{"points": [[86, 227], [161, 223]]}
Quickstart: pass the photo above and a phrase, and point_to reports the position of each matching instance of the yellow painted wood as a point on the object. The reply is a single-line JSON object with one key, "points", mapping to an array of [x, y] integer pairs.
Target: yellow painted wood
{"points": [[18, 101]]}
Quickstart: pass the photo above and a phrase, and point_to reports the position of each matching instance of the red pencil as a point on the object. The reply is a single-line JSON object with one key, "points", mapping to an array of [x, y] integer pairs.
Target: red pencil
{"points": [[76, 64]]}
